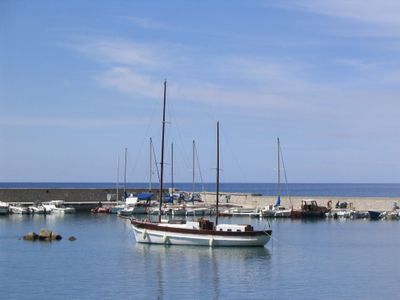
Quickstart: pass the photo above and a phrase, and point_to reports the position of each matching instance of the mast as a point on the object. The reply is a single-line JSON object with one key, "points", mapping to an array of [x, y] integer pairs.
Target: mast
{"points": [[117, 198], [126, 161], [194, 168], [217, 192], [172, 167], [150, 166], [279, 170], [162, 152]]}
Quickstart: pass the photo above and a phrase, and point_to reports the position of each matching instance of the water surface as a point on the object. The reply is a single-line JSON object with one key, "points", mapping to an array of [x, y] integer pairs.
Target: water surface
{"points": [[327, 259]]}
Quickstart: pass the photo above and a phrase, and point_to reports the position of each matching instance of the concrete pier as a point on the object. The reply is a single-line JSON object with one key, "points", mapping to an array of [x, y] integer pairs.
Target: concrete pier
{"points": [[88, 198], [258, 201]]}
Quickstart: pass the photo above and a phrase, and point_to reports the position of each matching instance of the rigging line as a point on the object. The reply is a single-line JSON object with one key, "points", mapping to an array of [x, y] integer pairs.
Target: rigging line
{"points": [[284, 172], [155, 162], [238, 165], [198, 166], [176, 126], [149, 125]]}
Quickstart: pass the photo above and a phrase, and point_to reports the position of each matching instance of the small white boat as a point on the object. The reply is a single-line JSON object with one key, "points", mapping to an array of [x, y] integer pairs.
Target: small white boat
{"points": [[137, 205], [17, 209], [115, 209], [58, 207], [4, 208], [198, 211], [37, 210]]}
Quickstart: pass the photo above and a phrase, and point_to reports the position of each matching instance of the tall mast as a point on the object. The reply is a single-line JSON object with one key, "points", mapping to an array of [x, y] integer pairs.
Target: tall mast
{"points": [[117, 198], [126, 161], [172, 166], [162, 152], [217, 192], [194, 168], [279, 169], [151, 165]]}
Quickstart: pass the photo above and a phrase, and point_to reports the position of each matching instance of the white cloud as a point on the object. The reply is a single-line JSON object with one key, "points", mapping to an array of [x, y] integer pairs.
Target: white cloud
{"points": [[77, 123], [118, 51], [376, 18], [383, 11], [127, 81], [147, 23]]}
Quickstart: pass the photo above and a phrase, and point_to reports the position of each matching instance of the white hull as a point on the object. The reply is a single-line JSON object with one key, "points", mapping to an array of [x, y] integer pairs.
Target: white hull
{"points": [[37, 210], [4, 208], [63, 210], [285, 213], [149, 236], [18, 210]]}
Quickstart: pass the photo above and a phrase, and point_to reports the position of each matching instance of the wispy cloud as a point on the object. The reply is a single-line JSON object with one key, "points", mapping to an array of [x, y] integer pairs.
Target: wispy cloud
{"points": [[130, 82], [147, 23], [378, 18], [120, 51], [72, 123]]}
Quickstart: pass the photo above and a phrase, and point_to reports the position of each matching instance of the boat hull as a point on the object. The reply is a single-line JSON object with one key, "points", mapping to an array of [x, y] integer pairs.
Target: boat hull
{"points": [[150, 233]]}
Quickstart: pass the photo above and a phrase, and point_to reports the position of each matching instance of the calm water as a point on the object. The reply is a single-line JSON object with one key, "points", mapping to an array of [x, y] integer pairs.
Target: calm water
{"points": [[305, 260], [269, 189]]}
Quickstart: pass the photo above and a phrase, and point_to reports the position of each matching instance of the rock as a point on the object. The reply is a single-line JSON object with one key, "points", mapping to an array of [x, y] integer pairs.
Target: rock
{"points": [[30, 236], [55, 236], [72, 238], [45, 235]]}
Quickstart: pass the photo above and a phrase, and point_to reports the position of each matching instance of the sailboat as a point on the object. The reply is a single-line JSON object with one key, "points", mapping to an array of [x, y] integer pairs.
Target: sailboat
{"points": [[277, 210], [201, 233]]}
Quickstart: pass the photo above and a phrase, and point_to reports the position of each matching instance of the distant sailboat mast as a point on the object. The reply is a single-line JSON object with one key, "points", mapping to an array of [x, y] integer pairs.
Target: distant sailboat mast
{"points": [[162, 153], [151, 163], [172, 167], [194, 168], [217, 183], [117, 197], [278, 201], [126, 161]]}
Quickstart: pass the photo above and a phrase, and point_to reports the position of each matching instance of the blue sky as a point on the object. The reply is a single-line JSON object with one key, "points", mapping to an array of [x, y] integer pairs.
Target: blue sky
{"points": [[82, 80]]}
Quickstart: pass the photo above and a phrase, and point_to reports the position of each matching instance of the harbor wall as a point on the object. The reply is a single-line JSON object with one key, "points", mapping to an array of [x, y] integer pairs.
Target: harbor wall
{"points": [[22, 195], [257, 201]]}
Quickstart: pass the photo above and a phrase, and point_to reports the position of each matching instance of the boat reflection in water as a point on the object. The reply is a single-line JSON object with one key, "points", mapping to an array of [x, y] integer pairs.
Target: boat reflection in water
{"points": [[197, 267]]}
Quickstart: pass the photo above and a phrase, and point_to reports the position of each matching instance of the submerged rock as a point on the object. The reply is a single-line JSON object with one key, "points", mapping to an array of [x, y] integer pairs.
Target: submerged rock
{"points": [[72, 238]]}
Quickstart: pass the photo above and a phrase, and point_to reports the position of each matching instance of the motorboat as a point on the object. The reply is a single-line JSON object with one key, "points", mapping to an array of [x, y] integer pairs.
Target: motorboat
{"points": [[4, 208], [310, 209], [58, 207], [37, 210], [18, 209], [135, 205]]}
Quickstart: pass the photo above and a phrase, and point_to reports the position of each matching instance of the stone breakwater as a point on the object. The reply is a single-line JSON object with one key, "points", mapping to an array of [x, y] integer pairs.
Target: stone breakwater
{"points": [[258, 201], [90, 197]]}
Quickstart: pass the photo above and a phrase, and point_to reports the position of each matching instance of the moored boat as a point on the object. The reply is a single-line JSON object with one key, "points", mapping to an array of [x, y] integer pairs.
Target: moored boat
{"points": [[58, 207], [201, 233], [18, 209], [310, 209], [4, 208]]}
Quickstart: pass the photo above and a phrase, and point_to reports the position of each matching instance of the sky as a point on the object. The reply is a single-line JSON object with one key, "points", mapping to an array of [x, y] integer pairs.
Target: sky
{"points": [[80, 81]]}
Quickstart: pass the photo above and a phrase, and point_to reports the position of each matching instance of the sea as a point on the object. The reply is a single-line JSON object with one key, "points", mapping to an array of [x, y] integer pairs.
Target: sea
{"points": [[267, 189], [324, 259]]}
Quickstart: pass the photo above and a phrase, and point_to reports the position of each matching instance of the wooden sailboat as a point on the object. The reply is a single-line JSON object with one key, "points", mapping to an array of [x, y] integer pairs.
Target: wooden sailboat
{"points": [[200, 233]]}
